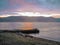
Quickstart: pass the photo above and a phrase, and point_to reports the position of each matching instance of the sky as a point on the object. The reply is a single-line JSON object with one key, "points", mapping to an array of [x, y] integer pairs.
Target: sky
{"points": [[42, 6]]}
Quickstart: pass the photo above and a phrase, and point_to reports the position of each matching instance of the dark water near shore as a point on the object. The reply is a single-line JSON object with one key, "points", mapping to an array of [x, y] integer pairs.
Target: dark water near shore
{"points": [[48, 30]]}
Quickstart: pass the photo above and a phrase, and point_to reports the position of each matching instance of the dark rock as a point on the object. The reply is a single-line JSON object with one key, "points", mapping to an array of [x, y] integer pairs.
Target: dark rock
{"points": [[22, 31]]}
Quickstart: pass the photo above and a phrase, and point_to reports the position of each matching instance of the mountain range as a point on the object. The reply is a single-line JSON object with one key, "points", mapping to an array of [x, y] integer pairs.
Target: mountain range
{"points": [[29, 19]]}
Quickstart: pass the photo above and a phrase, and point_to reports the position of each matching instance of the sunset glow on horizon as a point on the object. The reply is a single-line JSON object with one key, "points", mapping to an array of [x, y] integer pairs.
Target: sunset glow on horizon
{"points": [[30, 14]]}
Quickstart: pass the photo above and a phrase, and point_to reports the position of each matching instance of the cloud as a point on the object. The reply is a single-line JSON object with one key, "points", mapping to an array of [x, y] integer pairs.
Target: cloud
{"points": [[43, 6], [50, 4], [8, 13], [8, 5], [29, 14], [4, 4]]}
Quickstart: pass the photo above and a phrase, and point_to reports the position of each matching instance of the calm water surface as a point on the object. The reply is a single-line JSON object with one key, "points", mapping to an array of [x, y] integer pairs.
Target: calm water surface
{"points": [[48, 30]]}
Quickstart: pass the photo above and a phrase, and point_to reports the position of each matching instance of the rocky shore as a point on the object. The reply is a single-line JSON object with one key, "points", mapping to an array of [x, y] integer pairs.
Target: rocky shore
{"points": [[23, 39]]}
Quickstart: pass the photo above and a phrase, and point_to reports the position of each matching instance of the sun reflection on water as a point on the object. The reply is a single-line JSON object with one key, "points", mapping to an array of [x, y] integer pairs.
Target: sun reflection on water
{"points": [[27, 26]]}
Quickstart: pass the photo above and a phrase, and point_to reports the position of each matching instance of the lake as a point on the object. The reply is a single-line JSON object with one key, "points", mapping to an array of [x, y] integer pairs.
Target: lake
{"points": [[48, 30]]}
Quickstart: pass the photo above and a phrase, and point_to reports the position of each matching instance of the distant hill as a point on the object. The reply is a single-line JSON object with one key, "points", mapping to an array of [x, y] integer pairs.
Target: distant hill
{"points": [[57, 19], [29, 19]]}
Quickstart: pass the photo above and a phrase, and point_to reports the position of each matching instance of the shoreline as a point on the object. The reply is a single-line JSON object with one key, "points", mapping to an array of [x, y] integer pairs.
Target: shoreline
{"points": [[17, 39]]}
